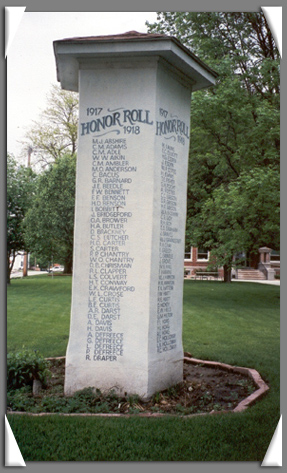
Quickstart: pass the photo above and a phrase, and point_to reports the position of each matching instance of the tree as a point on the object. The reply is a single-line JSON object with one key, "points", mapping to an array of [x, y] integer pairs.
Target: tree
{"points": [[49, 222], [20, 186], [243, 215], [56, 132], [234, 127]]}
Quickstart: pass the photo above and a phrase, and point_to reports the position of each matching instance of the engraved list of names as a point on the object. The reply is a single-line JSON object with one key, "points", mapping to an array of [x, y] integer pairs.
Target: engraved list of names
{"points": [[109, 259], [172, 130], [165, 339]]}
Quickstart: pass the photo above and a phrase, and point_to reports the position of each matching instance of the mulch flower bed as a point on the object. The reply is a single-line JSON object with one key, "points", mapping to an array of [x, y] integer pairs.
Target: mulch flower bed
{"points": [[204, 389]]}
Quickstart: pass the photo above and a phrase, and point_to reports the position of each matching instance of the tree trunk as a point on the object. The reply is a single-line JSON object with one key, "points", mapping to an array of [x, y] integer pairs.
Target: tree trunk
{"points": [[8, 272], [227, 273], [10, 265], [68, 265]]}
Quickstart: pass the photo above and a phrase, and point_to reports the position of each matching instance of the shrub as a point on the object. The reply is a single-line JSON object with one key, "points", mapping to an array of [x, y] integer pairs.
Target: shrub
{"points": [[212, 268], [25, 366], [20, 399]]}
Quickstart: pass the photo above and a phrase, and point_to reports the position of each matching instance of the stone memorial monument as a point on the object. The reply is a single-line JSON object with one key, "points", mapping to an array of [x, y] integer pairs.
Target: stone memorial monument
{"points": [[126, 316]]}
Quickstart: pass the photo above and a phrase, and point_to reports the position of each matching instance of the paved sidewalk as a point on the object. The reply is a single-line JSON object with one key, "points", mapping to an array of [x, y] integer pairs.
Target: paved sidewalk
{"points": [[19, 274], [275, 282]]}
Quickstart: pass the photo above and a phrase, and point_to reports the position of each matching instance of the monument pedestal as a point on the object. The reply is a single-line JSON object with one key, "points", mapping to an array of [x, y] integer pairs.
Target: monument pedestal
{"points": [[126, 316]]}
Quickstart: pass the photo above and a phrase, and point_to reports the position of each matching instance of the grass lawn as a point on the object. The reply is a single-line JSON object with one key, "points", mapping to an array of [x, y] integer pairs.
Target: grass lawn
{"points": [[237, 324], [38, 314]]}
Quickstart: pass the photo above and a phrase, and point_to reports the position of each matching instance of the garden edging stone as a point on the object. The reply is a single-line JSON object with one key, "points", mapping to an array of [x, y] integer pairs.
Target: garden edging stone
{"points": [[242, 406]]}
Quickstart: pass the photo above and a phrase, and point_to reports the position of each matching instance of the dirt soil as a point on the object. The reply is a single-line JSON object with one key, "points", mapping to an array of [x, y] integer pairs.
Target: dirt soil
{"points": [[203, 390]]}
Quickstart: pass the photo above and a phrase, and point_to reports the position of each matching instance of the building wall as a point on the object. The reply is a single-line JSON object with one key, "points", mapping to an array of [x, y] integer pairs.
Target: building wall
{"points": [[19, 261], [196, 259]]}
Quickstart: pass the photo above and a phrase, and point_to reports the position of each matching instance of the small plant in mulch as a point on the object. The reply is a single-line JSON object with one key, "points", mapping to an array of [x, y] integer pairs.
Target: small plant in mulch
{"points": [[26, 366], [202, 390]]}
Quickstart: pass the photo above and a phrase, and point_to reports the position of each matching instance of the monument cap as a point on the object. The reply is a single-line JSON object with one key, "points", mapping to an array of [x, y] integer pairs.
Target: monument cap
{"points": [[71, 52]]}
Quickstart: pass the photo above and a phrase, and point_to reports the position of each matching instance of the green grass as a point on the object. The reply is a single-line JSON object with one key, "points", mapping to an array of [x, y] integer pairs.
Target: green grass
{"points": [[222, 438], [38, 314], [237, 324]]}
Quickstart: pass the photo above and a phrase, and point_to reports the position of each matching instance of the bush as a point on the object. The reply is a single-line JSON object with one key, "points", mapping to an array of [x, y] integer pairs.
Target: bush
{"points": [[25, 366], [212, 268], [20, 399]]}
